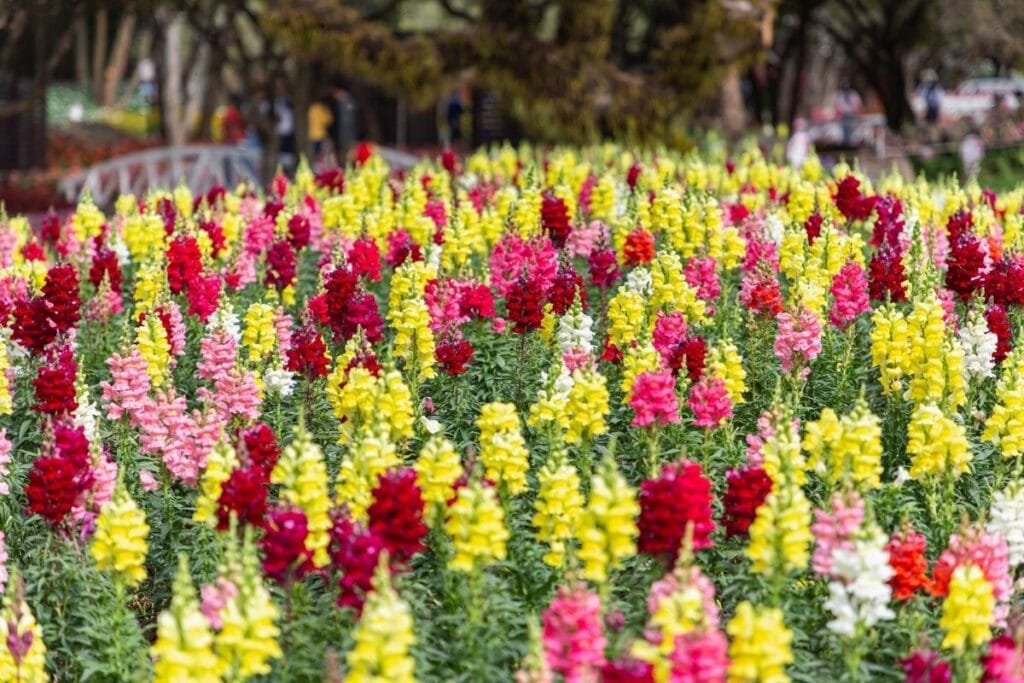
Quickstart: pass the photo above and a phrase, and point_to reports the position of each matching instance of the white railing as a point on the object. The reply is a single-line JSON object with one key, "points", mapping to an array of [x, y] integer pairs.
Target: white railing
{"points": [[200, 167]]}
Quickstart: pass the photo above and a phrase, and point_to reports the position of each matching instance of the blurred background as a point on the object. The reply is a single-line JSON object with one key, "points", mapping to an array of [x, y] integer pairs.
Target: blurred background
{"points": [[106, 95]]}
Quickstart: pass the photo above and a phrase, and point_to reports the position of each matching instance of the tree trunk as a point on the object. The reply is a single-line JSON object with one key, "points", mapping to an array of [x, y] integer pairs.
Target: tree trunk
{"points": [[173, 109], [300, 102], [891, 85], [801, 57], [81, 54], [115, 70], [733, 118], [99, 54]]}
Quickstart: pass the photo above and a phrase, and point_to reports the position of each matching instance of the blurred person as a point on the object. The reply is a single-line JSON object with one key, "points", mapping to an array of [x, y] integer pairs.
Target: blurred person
{"points": [[972, 151], [453, 114], [344, 126], [847, 105], [799, 144], [320, 119], [931, 92], [233, 121]]}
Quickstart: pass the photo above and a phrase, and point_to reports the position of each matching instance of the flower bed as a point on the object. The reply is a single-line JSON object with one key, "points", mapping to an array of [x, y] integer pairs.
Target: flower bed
{"points": [[582, 415]]}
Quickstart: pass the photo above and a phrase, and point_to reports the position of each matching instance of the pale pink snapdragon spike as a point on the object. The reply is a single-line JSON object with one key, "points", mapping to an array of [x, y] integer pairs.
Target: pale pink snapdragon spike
{"points": [[585, 238], [283, 325], [798, 341], [987, 551], [175, 327], [128, 392], [147, 481], [99, 493], [218, 352], [234, 393], [573, 635], [215, 598], [835, 530], [244, 271]]}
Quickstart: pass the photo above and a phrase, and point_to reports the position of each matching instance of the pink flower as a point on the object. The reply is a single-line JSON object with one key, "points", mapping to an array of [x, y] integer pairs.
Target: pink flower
{"points": [[513, 257], [215, 598], [849, 295], [700, 273], [283, 326], [654, 399], [710, 402], [148, 481], [573, 635], [128, 393], [217, 354], [585, 238], [835, 531], [984, 550], [798, 341]]}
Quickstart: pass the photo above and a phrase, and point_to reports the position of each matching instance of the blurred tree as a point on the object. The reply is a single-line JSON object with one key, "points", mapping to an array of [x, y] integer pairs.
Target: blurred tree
{"points": [[571, 69], [980, 30]]}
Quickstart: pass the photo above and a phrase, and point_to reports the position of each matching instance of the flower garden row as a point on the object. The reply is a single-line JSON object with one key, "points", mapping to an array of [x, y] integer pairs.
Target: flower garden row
{"points": [[571, 414]]}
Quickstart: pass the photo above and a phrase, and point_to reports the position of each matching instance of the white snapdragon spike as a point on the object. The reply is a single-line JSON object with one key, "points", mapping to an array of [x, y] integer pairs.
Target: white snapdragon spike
{"points": [[979, 345], [774, 228], [120, 250], [639, 281], [862, 593], [434, 257], [1006, 518], [225, 318], [280, 382], [575, 331], [87, 417]]}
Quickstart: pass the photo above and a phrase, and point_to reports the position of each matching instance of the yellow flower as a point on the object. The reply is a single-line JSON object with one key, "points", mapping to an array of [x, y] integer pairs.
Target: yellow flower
{"points": [[370, 455], [414, 342], [1005, 426], [760, 648], [502, 448], [587, 406], [476, 524], [969, 609], [725, 362], [890, 347], [119, 544], [383, 637], [780, 536], [637, 359], [260, 335], [219, 464], [438, 467], [626, 314], [607, 529], [936, 444], [155, 349], [6, 400], [846, 449], [87, 221], [671, 292], [18, 623], [558, 507], [183, 650], [303, 477]]}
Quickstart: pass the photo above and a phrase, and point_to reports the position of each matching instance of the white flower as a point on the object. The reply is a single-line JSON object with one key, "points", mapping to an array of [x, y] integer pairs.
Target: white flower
{"points": [[87, 417], [979, 346], [902, 477], [279, 382], [226, 319], [1006, 518], [862, 593], [575, 331], [639, 281], [431, 425], [774, 228], [120, 250]]}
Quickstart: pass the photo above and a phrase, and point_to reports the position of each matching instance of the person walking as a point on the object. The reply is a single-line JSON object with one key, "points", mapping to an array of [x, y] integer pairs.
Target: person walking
{"points": [[847, 106]]}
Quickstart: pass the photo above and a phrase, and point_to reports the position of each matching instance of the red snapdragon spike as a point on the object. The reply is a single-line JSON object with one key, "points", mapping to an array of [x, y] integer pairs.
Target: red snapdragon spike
{"points": [[604, 268], [215, 231], [999, 325], [244, 494], [364, 258], [627, 670], [261, 447], [910, 567], [298, 231], [401, 248], [396, 514], [355, 552], [333, 178], [679, 496], [284, 544], [104, 264], [55, 385], [184, 263], [204, 296], [454, 356], [564, 290], [639, 248], [280, 266], [746, 489], [886, 275], [924, 666], [477, 301], [61, 295], [525, 306], [851, 202], [554, 216], [56, 481], [308, 353], [32, 326], [812, 226]]}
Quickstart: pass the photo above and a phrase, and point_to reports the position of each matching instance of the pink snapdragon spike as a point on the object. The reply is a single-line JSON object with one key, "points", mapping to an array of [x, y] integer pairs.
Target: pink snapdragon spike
{"points": [[654, 399]]}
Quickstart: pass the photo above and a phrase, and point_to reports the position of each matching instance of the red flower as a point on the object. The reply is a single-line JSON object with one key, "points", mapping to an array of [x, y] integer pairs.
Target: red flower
{"points": [[910, 568], [396, 514], [680, 496], [850, 202], [298, 231], [333, 178], [812, 226], [1004, 284], [261, 447], [215, 231], [362, 153], [364, 258], [104, 263], [525, 305], [454, 356], [604, 268], [55, 386], [885, 275], [32, 327], [632, 174], [476, 301], [639, 248], [746, 489], [401, 247], [554, 216], [567, 285], [284, 544], [274, 206], [204, 296], [348, 310], [354, 552], [245, 494], [61, 295], [280, 265], [308, 354], [627, 670], [925, 666], [448, 160], [611, 352], [965, 264], [32, 251], [56, 481], [888, 223], [184, 263], [760, 293], [999, 325], [165, 209], [49, 228]]}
